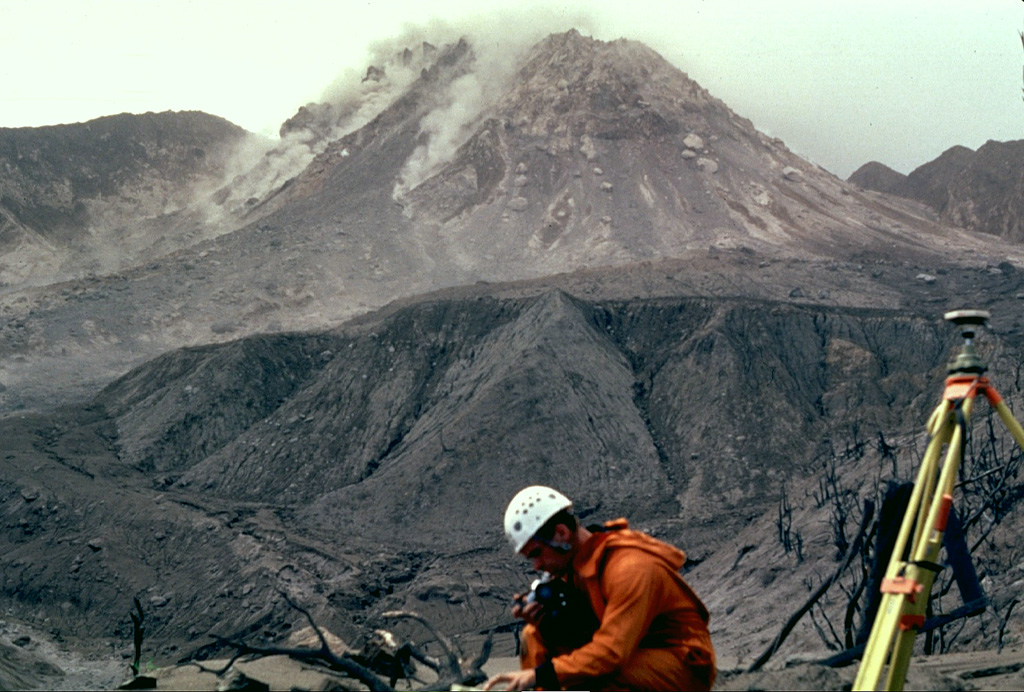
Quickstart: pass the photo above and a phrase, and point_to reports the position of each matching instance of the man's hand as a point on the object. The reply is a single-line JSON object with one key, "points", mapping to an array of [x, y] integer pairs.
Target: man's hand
{"points": [[519, 680], [529, 612]]}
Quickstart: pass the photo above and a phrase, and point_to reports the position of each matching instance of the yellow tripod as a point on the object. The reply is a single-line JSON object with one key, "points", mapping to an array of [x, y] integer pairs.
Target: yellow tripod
{"points": [[907, 585]]}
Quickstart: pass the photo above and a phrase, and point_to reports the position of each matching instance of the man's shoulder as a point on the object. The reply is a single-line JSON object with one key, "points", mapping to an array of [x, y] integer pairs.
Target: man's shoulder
{"points": [[631, 547]]}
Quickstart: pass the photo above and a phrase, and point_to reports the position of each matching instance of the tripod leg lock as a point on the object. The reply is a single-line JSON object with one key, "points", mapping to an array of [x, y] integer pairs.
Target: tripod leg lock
{"points": [[946, 503], [911, 622], [902, 586]]}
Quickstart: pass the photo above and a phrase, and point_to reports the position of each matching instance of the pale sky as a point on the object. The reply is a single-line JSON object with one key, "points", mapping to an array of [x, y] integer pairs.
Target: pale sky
{"points": [[842, 82]]}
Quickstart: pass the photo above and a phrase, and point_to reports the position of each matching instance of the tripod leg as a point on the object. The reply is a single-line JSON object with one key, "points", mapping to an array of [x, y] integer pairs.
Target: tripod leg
{"points": [[942, 498], [1010, 422], [908, 585], [922, 568], [891, 609]]}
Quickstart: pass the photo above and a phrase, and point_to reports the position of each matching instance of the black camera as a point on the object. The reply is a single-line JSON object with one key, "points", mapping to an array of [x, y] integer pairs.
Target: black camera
{"points": [[552, 594], [541, 591], [566, 619]]}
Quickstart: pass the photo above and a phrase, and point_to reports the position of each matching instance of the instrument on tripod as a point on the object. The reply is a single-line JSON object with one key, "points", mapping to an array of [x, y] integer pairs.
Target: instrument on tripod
{"points": [[908, 580]]}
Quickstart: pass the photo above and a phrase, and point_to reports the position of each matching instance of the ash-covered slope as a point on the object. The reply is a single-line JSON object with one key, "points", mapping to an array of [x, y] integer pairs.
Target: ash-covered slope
{"points": [[587, 154], [364, 469], [979, 190], [72, 196], [633, 405]]}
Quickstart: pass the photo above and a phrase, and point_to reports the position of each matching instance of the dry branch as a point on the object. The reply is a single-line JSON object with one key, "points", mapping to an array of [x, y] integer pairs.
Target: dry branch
{"points": [[323, 655], [449, 669], [138, 633], [852, 550], [455, 673]]}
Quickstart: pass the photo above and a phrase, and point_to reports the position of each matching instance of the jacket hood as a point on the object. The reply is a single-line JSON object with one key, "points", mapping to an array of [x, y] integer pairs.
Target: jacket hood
{"points": [[617, 534]]}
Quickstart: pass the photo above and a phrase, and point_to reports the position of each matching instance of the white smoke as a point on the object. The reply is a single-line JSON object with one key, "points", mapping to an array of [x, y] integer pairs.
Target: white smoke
{"points": [[261, 165], [498, 41], [446, 128]]}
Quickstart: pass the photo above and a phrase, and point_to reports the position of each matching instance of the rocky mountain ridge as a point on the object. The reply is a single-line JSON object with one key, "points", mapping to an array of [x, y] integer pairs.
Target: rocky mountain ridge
{"points": [[979, 190], [593, 154], [72, 197]]}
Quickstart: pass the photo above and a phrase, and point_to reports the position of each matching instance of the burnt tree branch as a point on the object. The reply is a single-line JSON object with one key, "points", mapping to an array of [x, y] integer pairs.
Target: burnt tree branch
{"points": [[853, 550]]}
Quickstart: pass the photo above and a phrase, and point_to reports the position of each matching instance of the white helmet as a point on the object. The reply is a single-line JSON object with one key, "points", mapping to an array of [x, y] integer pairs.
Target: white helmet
{"points": [[529, 510]]}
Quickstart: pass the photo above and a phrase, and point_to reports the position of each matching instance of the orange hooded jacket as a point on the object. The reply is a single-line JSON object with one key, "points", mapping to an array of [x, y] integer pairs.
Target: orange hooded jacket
{"points": [[654, 629]]}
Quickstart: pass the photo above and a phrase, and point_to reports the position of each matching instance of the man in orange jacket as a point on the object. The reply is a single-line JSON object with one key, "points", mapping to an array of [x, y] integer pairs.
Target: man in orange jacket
{"points": [[651, 629]]}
